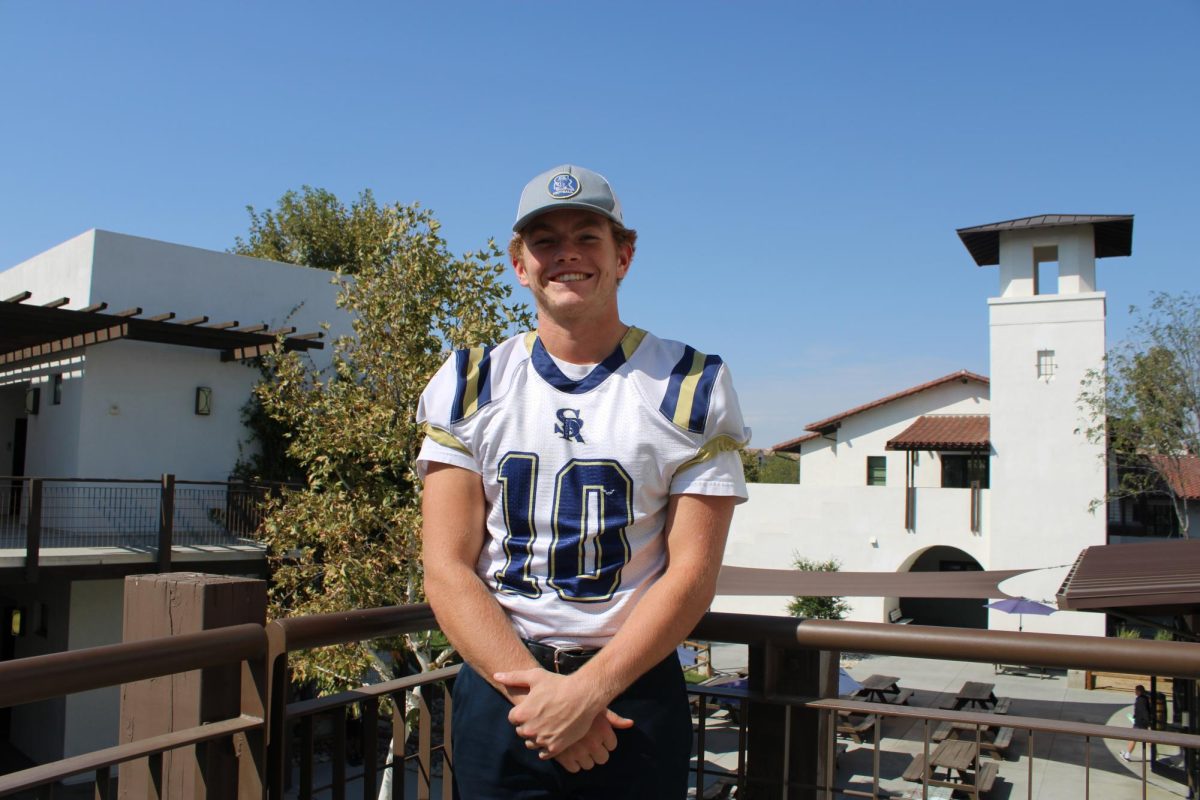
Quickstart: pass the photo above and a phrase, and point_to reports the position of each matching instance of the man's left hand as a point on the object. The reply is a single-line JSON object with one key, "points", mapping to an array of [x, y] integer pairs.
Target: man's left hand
{"points": [[557, 712]]}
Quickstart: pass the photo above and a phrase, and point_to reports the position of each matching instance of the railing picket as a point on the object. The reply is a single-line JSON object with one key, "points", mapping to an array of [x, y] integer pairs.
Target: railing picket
{"points": [[103, 788], [166, 522], [306, 758], [33, 531], [447, 754], [399, 765], [370, 746], [424, 737], [338, 757]]}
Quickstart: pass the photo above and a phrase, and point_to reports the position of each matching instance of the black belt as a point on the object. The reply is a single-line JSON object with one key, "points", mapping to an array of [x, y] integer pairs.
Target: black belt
{"points": [[563, 660]]}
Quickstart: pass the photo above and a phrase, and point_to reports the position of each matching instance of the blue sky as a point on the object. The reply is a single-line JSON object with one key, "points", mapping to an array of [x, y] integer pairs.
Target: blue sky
{"points": [[796, 170]]}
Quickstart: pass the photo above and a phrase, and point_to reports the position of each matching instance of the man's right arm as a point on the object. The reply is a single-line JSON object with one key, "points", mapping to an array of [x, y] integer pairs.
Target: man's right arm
{"points": [[454, 512]]}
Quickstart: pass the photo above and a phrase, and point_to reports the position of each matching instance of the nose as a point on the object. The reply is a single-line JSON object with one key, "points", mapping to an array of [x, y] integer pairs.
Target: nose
{"points": [[566, 251]]}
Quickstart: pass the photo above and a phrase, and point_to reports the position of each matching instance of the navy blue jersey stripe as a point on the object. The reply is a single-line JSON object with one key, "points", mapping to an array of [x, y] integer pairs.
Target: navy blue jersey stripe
{"points": [[708, 379]]}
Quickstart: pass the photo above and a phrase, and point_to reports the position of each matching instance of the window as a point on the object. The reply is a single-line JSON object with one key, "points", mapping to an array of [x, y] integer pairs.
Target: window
{"points": [[56, 396], [876, 470], [959, 471], [1045, 270], [1045, 364]]}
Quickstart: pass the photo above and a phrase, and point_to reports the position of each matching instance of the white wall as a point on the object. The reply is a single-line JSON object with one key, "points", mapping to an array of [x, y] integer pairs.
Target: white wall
{"points": [[781, 521], [844, 463], [91, 717], [128, 407]]}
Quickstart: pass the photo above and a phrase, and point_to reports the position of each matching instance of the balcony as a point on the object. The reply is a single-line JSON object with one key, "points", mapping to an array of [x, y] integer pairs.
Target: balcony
{"points": [[778, 735]]}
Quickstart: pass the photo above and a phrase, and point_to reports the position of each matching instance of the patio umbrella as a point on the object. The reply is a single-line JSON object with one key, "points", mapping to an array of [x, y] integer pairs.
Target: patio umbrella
{"points": [[1021, 606], [846, 683]]}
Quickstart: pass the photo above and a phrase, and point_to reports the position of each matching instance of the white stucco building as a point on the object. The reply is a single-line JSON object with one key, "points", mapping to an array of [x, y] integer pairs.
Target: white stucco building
{"points": [[125, 358], [962, 472]]}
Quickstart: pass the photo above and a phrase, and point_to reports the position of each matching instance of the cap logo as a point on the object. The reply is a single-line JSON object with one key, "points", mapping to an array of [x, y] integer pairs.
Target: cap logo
{"points": [[562, 186]]}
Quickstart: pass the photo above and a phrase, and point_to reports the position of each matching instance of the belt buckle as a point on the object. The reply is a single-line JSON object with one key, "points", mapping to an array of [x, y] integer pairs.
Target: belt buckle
{"points": [[564, 651]]}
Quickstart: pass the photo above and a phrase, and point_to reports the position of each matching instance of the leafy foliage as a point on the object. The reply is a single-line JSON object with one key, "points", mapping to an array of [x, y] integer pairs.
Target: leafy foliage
{"points": [[766, 466], [313, 228], [351, 537], [1145, 402], [817, 607]]}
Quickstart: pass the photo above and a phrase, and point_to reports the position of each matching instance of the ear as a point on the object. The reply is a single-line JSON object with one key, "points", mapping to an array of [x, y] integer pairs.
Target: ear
{"points": [[518, 264], [624, 260]]}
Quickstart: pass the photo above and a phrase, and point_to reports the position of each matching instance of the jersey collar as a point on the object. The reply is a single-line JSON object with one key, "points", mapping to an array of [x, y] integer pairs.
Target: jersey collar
{"points": [[545, 366]]}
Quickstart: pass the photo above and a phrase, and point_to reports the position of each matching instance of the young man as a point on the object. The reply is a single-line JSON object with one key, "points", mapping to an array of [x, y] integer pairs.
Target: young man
{"points": [[1141, 716], [579, 484]]}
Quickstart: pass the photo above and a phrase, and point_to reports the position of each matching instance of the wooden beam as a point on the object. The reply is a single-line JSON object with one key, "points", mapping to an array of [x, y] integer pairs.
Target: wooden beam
{"points": [[309, 336], [40, 351], [161, 317], [192, 321], [220, 326], [19, 298], [252, 328], [242, 353], [281, 331], [59, 303], [129, 312], [93, 308]]}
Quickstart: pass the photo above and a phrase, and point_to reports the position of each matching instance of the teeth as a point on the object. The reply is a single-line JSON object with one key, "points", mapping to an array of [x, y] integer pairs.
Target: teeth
{"points": [[570, 277]]}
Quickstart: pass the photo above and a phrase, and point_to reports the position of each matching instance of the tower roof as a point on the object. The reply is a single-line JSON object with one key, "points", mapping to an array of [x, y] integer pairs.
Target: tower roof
{"points": [[1113, 234]]}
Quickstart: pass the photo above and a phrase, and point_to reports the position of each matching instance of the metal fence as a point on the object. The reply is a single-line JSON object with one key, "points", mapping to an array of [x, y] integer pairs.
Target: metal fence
{"points": [[77, 513]]}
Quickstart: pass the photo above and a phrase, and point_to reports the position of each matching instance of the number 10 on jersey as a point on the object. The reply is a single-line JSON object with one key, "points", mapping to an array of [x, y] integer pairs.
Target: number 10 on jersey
{"points": [[588, 549]]}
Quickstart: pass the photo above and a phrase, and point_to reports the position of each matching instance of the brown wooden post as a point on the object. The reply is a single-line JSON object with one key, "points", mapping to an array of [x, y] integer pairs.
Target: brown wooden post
{"points": [[33, 531], [166, 522], [182, 602], [783, 740]]}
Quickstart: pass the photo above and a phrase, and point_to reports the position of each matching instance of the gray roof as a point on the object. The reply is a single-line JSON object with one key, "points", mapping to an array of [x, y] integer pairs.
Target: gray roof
{"points": [[1113, 234]]}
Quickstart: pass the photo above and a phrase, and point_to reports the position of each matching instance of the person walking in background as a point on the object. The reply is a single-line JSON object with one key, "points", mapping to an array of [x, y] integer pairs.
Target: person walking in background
{"points": [[1141, 716]]}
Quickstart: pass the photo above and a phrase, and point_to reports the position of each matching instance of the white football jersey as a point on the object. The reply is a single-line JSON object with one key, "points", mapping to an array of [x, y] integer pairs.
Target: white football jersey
{"points": [[577, 474]]}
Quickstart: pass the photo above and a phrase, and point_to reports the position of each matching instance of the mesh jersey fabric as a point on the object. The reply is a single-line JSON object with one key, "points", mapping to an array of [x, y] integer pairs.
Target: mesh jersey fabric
{"points": [[577, 473]]}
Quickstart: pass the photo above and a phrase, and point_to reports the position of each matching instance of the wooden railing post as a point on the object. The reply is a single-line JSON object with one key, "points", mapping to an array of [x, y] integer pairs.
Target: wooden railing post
{"points": [[783, 739], [166, 522], [33, 531], [178, 603]]}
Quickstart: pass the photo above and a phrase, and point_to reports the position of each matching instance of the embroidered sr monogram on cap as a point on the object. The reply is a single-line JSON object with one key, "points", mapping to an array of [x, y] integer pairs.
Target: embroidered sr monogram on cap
{"points": [[563, 185]]}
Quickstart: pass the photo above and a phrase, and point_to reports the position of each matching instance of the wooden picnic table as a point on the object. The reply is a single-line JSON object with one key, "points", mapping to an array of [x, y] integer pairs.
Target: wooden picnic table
{"points": [[974, 693], [883, 689], [954, 764]]}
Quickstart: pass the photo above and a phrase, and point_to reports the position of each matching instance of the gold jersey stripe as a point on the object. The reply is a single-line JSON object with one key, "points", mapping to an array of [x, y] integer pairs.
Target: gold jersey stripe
{"points": [[714, 447], [630, 342], [471, 382], [687, 391], [445, 438]]}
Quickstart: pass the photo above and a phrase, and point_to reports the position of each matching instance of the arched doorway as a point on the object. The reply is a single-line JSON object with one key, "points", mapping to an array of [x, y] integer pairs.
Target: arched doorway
{"points": [[958, 613]]}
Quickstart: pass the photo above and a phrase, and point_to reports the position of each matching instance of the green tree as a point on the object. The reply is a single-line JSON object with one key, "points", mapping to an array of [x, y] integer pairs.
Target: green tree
{"points": [[1145, 403], [817, 607], [751, 464], [313, 228], [350, 538]]}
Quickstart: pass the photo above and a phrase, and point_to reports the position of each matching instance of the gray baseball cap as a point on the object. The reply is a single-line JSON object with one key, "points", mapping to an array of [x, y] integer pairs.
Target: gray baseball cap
{"points": [[567, 186]]}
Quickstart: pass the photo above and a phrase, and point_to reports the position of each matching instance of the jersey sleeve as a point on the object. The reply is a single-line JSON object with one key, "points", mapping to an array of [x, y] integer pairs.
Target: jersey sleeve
{"points": [[716, 468], [444, 440]]}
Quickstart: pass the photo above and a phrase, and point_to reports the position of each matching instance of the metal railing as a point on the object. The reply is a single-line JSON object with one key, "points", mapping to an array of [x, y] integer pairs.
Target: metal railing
{"points": [[789, 697], [152, 515]]}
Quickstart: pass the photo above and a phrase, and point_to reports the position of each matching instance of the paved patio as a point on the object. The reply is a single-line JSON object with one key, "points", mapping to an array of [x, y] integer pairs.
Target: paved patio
{"points": [[1058, 767]]}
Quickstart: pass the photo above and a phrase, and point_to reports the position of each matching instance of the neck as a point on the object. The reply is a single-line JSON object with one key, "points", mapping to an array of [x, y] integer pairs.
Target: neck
{"points": [[578, 344]]}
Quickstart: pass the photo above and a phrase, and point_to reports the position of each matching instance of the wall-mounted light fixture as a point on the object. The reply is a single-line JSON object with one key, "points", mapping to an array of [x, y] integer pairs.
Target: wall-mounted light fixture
{"points": [[33, 399], [56, 391], [203, 400]]}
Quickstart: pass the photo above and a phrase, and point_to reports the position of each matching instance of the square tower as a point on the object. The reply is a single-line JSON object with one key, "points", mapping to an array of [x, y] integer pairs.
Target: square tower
{"points": [[1046, 332]]}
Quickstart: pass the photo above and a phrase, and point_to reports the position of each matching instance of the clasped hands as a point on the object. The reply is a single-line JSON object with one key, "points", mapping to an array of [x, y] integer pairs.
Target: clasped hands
{"points": [[559, 717]]}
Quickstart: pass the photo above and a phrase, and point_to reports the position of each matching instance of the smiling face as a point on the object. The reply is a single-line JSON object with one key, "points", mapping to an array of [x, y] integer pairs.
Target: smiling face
{"points": [[572, 264]]}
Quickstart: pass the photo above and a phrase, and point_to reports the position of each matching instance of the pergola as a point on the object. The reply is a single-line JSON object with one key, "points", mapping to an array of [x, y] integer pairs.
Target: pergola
{"points": [[31, 335]]}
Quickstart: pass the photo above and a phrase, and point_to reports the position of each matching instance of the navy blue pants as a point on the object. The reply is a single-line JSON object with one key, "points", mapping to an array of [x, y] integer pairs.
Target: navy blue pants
{"points": [[651, 760]]}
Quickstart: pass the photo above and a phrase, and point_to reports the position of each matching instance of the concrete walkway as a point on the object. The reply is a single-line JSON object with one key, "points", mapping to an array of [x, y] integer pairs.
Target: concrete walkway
{"points": [[1058, 763]]}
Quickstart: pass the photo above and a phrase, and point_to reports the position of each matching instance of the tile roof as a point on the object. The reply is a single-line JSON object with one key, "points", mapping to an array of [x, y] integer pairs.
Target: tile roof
{"points": [[828, 423], [1112, 234], [1183, 474], [944, 432]]}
